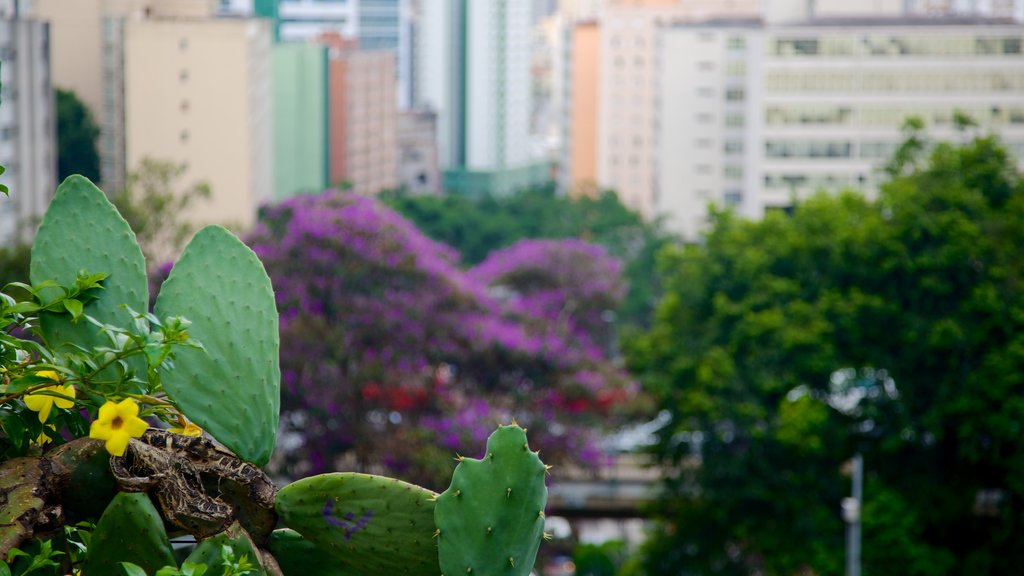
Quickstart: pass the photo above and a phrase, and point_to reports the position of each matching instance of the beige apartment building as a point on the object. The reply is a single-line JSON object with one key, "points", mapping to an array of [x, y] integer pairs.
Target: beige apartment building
{"points": [[87, 57], [197, 92], [627, 87]]}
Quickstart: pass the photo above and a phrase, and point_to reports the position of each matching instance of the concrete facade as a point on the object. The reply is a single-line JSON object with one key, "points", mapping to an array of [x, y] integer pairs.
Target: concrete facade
{"points": [[197, 92], [626, 144], [363, 118], [28, 147], [754, 117], [418, 170]]}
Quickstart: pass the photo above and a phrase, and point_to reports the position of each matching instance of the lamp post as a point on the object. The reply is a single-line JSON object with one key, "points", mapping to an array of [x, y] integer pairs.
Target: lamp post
{"points": [[851, 515]]}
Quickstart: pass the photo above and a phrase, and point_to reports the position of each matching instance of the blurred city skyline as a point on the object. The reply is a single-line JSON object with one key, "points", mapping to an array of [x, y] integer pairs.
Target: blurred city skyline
{"points": [[674, 104]]}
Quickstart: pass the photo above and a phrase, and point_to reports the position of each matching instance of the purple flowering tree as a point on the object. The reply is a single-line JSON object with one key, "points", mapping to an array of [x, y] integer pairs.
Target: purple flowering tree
{"points": [[392, 356]]}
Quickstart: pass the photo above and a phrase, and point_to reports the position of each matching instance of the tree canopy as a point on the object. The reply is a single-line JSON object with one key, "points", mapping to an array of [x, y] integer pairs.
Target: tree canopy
{"points": [[77, 133], [478, 226], [393, 354], [893, 328]]}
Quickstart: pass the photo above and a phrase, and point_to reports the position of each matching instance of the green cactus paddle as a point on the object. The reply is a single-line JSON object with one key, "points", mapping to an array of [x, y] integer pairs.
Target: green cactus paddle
{"points": [[231, 387], [370, 524], [83, 231], [491, 519], [130, 530]]}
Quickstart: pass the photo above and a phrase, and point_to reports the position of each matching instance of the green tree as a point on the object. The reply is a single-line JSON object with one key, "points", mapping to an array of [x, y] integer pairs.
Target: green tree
{"points": [[154, 203], [894, 328], [478, 226], [76, 138]]}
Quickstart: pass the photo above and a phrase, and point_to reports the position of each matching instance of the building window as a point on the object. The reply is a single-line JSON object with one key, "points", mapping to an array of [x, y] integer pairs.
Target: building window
{"points": [[183, 76], [183, 136], [735, 94], [736, 69], [733, 172], [737, 43], [733, 146], [183, 44], [733, 197], [705, 65]]}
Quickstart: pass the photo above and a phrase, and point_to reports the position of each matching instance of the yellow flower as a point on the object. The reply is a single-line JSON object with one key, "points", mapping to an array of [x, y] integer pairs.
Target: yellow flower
{"points": [[43, 403], [44, 438], [118, 423], [190, 429]]}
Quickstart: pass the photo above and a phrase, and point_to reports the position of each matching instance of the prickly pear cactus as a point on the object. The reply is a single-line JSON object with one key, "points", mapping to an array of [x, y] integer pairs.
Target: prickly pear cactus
{"points": [[130, 530], [63, 247], [299, 557], [208, 551], [370, 524], [490, 520], [232, 387]]}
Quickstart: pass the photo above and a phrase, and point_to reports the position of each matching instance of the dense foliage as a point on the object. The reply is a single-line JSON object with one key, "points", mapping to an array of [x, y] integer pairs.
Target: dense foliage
{"points": [[393, 354], [77, 133], [478, 226], [894, 328]]}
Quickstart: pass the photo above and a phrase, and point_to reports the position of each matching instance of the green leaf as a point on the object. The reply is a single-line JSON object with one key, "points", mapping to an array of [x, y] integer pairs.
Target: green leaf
{"points": [[193, 569], [23, 308], [74, 307], [134, 570]]}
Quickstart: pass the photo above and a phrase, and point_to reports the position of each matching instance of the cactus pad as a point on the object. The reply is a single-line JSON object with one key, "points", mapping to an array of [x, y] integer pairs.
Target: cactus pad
{"points": [[491, 518], [232, 388], [83, 231], [130, 530], [370, 524], [299, 557]]}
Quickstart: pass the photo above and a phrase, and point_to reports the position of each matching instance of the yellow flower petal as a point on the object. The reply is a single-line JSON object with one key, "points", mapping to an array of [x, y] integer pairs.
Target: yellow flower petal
{"points": [[117, 444], [68, 391], [43, 403], [190, 429], [49, 374], [117, 424], [40, 403]]}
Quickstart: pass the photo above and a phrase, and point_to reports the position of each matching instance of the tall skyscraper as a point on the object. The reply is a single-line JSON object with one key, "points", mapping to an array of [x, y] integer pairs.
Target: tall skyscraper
{"points": [[27, 127], [473, 63]]}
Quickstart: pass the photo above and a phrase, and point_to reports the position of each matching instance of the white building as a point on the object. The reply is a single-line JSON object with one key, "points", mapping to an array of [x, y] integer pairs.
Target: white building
{"points": [[754, 116], [627, 80], [473, 70], [28, 148]]}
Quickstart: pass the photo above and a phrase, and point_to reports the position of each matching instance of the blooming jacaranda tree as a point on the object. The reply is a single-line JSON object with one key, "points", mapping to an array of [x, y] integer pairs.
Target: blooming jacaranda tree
{"points": [[388, 346]]}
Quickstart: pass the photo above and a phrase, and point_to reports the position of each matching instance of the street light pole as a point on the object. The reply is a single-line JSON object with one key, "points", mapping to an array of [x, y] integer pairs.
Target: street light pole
{"points": [[851, 514]]}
